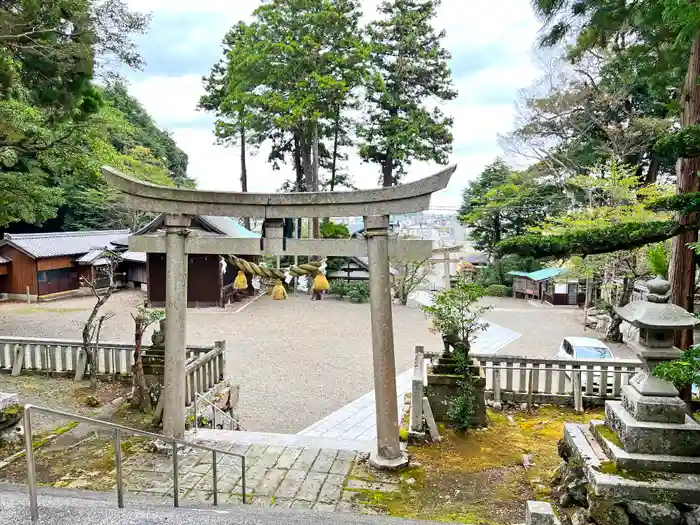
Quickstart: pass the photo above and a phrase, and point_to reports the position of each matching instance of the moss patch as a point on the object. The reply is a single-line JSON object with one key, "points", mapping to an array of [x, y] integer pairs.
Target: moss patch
{"points": [[89, 465], [610, 467], [477, 477], [610, 436]]}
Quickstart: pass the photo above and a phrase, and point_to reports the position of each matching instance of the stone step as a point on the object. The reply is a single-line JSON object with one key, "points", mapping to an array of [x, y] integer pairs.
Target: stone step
{"points": [[642, 462], [283, 440], [606, 480], [646, 437]]}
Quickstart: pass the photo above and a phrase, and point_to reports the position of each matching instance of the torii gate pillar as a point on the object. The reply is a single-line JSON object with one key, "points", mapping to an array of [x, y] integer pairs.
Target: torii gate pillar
{"points": [[175, 324], [388, 453]]}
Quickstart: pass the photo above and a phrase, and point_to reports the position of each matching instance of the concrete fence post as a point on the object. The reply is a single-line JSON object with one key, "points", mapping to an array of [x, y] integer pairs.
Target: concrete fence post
{"points": [[415, 431], [18, 360]]}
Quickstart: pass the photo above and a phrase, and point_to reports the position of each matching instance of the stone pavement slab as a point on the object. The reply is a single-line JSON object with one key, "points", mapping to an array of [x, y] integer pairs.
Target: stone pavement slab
{"points": [[289, 477]]}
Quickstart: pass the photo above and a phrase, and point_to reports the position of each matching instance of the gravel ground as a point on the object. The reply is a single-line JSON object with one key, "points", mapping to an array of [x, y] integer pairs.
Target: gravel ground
{"points": [[542, 327], [299, 360], [296, 360]]}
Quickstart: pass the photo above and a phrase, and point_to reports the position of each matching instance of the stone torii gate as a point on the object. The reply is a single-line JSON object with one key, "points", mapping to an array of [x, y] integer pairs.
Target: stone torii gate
{"points": [[177, 241]]}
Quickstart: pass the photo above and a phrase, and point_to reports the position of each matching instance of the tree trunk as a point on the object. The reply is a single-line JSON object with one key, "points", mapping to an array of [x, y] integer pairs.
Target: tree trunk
{"points": [[497, 239], [316, 233], [388, 169], [653, 171], [682, 268], [614, 334], [335, 146], [299, 173], [142, 397], [244, 174]]}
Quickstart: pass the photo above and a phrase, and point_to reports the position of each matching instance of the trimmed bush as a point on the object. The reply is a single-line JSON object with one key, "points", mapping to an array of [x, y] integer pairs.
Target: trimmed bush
{"points": [[359, 291], [339, 288], [496, 290]]}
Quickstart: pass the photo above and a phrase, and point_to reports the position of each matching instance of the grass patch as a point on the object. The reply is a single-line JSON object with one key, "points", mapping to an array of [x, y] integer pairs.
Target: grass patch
{"points": [[477, 477]]}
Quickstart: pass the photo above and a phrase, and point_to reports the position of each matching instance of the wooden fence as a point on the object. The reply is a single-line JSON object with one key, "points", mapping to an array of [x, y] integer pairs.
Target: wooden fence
{"points": [[202, 374], [63, 357], [552, 380]]}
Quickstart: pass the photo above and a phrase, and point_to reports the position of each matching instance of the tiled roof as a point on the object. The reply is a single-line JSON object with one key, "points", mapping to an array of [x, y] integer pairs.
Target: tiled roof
{"points": [[228, 226], [62, 243], [4, 260], [89, 257], [219, 225], [134, 256]]}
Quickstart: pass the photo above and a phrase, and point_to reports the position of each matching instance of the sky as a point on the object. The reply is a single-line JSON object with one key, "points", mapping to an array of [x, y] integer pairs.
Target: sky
{"points": [[490, 42]]}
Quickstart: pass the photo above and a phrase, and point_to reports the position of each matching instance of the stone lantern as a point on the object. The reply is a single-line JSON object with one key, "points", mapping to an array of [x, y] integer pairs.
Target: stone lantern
{"points": [[642, 464], [646, 397]]}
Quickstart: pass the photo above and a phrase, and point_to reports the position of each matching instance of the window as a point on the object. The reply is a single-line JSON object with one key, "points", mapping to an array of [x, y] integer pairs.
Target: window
{"points": [[592, 352]]}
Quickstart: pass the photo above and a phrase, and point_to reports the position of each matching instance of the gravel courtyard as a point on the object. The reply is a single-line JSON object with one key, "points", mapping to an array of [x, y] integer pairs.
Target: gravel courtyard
{"points": [[296, 361]]}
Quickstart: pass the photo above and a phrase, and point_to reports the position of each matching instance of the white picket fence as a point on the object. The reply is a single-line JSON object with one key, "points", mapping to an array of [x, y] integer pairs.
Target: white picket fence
{"points": [[552, 380]]}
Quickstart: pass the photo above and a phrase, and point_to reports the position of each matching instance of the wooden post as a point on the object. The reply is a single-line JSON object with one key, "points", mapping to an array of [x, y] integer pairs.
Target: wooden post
{"points": [[28, 296]]}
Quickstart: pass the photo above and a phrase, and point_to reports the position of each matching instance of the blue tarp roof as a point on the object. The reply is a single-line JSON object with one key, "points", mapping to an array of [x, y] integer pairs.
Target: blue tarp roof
{"points": [[540, 275]]}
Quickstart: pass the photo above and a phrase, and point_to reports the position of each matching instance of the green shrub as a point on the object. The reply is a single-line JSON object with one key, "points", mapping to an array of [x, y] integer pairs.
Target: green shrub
{"points": [[358, 291], [339, 288], [496, 290]]}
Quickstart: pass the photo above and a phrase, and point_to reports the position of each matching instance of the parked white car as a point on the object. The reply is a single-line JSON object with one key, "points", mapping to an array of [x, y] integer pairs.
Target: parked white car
{"points": [[587, 348]]}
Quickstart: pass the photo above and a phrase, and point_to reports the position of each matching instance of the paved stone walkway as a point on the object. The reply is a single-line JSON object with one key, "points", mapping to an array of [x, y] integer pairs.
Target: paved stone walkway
{"points": [[288, 477]]}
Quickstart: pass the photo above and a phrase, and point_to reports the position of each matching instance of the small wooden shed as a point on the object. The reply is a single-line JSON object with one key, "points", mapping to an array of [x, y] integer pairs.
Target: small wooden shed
{"points": [[545, 286]]}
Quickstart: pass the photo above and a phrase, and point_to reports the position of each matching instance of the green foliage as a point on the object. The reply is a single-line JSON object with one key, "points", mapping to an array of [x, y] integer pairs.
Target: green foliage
{"points": [[57, 128], [682, 371], [145, 317], [496, 290], [339, 288], [603, 239], [144, 133], [682, 203], [497, 273], [463, 407], [501, 202], [684, 143], [358, 291], [659, 259], [456, 310], [409, 69], [332, 230]]}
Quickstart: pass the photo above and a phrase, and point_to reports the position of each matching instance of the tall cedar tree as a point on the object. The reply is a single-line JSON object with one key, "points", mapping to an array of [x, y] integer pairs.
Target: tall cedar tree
{"points": [[233, 119], [409, 68], [301, 60], [665, 29]]}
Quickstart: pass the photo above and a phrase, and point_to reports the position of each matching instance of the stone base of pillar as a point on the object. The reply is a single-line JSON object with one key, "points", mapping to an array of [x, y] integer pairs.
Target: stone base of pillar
{"points": [[376, 461]]}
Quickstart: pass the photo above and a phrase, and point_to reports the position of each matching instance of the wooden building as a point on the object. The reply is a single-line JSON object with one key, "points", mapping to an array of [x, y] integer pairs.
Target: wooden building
{"points": [[49, 265], [207, 274], [548, 286]]}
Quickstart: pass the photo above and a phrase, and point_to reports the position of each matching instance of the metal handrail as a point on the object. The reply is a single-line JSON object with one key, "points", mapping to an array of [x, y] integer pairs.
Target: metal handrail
{"points": [[197, 396], [31, 467]]}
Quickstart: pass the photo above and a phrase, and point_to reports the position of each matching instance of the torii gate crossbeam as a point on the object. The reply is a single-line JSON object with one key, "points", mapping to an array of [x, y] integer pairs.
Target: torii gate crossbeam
{"points": [[177, 241]]}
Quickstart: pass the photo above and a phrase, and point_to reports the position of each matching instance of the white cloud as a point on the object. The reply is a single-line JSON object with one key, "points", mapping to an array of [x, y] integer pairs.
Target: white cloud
{"points": [[484, 108], [170, 99]]}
